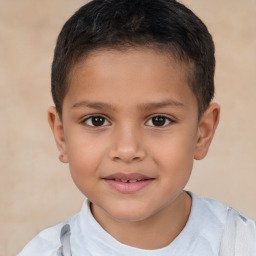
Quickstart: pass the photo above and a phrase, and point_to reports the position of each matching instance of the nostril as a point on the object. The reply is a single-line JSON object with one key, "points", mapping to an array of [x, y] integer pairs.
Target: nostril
{"points": [[127, 150], [136, 158], [127, 159]]}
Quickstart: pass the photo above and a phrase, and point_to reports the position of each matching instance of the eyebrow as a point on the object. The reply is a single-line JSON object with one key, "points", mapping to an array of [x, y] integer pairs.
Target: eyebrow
{"points": [[162, 104], [94, 105], [142, 107]]}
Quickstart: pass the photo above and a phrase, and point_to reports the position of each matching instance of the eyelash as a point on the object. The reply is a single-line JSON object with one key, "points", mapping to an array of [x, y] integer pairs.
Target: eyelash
{"points": [[102, 119], [89, 118], [163, 117]]}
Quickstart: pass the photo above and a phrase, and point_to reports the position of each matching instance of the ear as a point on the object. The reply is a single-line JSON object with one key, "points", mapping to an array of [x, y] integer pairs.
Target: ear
{"points": [[58, 133], [206, 129]]}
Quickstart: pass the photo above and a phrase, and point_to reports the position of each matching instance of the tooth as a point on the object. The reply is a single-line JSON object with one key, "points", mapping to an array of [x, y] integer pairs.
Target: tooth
{"points": [[132, 181], [124, 180]]}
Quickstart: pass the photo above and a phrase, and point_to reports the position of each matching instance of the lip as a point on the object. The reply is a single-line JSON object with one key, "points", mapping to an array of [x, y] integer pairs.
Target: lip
{"points": [[128, 183]]}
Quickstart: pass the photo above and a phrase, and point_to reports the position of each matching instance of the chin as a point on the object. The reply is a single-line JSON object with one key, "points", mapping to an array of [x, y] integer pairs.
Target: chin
{"points": [[129, 217], [129, 213]]}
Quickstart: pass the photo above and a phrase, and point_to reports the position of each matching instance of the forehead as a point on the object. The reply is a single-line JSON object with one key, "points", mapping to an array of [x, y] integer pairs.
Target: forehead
{"points": [[143, 73]]}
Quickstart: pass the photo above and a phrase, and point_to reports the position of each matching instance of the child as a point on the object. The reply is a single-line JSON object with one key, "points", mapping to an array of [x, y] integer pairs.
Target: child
{"points": [[132, 83]]}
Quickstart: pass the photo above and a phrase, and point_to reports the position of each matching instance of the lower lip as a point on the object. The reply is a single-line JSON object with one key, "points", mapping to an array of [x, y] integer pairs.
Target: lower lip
{"points": [[128, 187]]}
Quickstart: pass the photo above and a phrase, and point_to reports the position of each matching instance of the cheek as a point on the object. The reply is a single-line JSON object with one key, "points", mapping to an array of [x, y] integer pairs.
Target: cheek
{"points": [[84, 158], [83, 147], [175, 154], [174, 148]]}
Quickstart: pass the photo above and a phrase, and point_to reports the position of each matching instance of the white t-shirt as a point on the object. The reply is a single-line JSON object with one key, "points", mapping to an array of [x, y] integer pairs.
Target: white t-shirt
{"points": [[200, 237]]}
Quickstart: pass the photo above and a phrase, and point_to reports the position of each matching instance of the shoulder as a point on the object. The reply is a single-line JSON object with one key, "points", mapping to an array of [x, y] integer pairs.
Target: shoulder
{"points": [[210, 209], [217, 210], [239, 237], [234, 231], [206, 224], [47, 242]]}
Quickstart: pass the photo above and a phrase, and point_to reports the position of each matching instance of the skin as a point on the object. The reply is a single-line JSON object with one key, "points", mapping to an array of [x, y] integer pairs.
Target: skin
{"points": [[129, 88]]}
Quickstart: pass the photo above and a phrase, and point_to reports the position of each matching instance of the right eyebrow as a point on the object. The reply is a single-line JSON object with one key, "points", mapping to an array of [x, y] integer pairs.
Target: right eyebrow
{"points": [[94, 105]]}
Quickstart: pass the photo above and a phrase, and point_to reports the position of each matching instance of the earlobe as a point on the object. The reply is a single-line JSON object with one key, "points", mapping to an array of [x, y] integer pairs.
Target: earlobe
{"points": [[58, 133], [206, 129]]}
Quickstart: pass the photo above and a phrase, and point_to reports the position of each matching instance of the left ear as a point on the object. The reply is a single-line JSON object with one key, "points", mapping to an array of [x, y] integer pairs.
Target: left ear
{"points": [[206, 129]]}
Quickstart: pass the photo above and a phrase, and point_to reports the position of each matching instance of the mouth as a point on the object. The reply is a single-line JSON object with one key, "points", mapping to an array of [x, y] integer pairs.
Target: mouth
{"points": [[128, 183]]}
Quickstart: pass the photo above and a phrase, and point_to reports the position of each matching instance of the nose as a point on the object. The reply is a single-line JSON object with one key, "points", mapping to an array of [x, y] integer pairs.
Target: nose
{"points": [[127, 146]]}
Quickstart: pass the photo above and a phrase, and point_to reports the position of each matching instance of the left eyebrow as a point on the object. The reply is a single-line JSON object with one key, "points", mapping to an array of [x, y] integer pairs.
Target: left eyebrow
{"points": [[162, 104]]}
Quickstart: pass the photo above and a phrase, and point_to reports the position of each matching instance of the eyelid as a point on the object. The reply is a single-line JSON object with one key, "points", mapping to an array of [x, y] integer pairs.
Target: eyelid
{"points": [[171, 119], [83, 121]]}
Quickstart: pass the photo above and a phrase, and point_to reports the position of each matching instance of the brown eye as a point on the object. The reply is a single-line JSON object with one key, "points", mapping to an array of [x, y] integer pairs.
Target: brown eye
{"points": [[96, 121], [159, 121]]}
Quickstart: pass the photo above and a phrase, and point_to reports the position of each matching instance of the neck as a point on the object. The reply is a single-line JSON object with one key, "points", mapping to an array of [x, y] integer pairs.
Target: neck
{"points": [[155, 232]]}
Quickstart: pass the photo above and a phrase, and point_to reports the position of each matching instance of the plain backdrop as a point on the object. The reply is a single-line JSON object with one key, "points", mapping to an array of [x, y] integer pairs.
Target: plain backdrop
{"points": [[36, 189]]}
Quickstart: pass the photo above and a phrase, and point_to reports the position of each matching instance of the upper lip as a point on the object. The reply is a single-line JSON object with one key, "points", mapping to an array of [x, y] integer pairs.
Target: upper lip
{"points": [[127, 176]]}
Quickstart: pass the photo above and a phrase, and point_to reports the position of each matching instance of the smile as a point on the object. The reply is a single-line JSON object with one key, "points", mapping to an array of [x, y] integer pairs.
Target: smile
{"points": [[128, 183]]}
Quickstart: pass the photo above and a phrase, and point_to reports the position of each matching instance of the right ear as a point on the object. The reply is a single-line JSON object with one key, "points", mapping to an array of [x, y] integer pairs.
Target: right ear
{"points": [[58, 133]]}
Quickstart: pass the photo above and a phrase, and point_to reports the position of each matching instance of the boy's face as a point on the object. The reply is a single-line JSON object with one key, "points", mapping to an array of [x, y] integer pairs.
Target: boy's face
{"points": [[130, 132]]}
